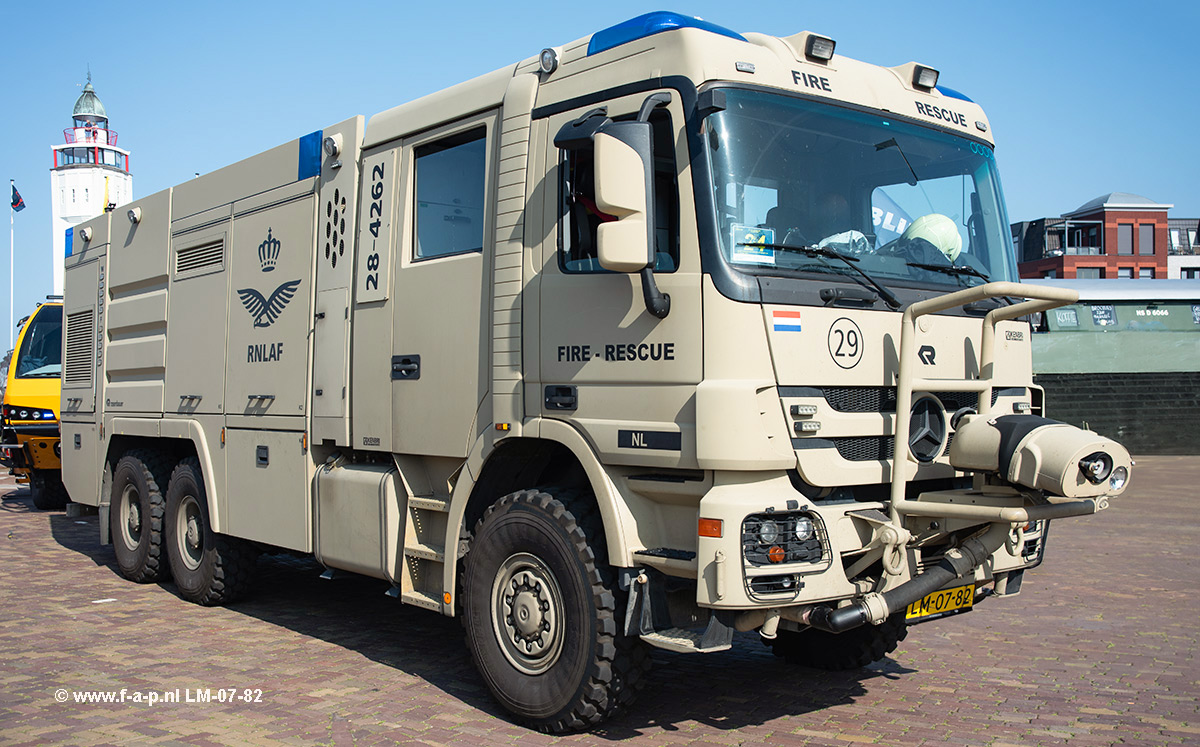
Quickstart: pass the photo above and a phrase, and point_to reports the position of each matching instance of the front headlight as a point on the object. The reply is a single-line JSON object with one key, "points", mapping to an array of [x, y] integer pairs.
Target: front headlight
{"points": [[1119, 477], [768, 532], [804, 528]]}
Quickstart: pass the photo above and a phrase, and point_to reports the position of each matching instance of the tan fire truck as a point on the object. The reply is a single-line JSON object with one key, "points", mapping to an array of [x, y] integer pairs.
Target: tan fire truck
{"points": [[663, 334]]}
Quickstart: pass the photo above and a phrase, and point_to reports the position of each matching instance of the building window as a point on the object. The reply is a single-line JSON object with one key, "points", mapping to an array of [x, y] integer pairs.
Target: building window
{"points": [[1050, 274], [1146, 238], [450, 176], [1124, 273], [1173, 239], [1146, 273], [1125, 238], [1088, 273], [1190, 273]]}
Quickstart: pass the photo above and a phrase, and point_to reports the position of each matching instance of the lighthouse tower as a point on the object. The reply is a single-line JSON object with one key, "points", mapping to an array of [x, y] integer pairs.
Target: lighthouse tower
{"points": [[90, 174]]}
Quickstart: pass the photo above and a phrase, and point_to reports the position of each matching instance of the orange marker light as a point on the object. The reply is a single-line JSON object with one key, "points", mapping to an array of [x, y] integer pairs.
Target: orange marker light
{"points": [[710, 528], [446, 597], [776, 554]]}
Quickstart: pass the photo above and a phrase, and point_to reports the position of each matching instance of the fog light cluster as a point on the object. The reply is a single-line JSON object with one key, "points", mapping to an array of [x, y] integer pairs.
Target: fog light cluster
{"points": [[16, 412], [786, 584], [780, 538]]}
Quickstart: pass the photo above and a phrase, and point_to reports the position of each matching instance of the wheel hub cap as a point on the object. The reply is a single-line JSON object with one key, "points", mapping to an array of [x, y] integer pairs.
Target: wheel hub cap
{"points": [[190, 532], [527, 610]]}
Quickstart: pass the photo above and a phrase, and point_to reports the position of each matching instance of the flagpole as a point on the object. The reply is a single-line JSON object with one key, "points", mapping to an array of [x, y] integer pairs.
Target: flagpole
{"points": [[12, 185]]}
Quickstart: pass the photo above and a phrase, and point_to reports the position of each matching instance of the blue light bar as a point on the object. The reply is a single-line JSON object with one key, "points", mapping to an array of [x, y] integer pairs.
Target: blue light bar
{"points": [[309, 158], [650, 24], [70, 237], [950, 92]]}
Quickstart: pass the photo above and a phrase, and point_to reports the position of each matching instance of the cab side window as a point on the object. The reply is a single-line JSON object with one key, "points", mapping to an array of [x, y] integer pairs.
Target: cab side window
{"points": [[450, 188], [580, 215]]}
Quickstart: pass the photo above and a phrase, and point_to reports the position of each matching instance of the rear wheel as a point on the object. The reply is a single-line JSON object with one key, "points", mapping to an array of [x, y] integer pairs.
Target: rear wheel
{"points": [[49, 493], [136, 516], [208, 568], [853, 649], [541, 613]]}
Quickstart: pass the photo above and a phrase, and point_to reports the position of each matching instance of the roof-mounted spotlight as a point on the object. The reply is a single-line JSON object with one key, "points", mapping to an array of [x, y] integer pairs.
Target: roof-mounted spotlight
{"points": [[85, 233], [924, 78], [819, 48], [135, 215], [332, 144], [548, 61]]}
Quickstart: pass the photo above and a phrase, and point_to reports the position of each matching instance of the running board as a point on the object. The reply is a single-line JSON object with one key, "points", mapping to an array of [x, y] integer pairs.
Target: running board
{"points": [[684, 641]]}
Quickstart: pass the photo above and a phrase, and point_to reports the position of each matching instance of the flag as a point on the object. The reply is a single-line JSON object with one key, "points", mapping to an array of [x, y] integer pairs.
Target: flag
{"points": [[18, 202]]}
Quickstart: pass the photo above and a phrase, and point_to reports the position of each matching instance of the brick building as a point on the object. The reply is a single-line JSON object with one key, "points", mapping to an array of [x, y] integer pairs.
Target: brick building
{"points": [[1117, 235]]}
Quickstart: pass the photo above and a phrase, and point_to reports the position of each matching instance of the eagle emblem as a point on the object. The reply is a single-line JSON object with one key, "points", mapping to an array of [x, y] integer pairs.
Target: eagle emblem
{"points": [[266, 310]]}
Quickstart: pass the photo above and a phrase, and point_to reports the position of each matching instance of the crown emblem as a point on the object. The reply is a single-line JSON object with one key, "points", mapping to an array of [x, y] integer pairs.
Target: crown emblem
{"points": [[268, 252]]}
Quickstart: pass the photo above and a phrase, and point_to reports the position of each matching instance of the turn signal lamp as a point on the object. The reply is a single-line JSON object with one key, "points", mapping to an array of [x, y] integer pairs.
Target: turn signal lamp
{"points": [[776, 554], [710, 528]]}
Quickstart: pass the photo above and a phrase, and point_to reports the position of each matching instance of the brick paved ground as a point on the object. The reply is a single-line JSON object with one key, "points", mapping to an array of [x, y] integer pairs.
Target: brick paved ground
{"points": [[1099, 649]]}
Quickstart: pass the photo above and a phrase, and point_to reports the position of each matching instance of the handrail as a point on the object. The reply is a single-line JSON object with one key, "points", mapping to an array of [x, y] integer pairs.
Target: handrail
{"points": [[90, 135], [1041, 297]]}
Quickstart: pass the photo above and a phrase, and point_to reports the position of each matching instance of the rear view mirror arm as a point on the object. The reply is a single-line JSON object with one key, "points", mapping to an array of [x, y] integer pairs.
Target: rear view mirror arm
{"points": [[657, 302]]}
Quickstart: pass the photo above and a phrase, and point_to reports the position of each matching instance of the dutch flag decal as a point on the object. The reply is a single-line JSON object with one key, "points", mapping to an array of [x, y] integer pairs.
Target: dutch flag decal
{"points": [[786, 321]]}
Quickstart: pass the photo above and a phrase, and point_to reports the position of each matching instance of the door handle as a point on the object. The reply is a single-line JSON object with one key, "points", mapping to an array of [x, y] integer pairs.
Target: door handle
{"points": [[406, 367], [561, 398]]}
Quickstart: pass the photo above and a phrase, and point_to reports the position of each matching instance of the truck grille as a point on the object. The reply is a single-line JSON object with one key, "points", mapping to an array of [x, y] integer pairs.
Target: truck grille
{"points": [[883, 398], [864, 448]]}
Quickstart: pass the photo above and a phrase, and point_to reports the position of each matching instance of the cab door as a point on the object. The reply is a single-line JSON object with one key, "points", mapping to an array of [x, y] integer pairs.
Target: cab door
{"points": [[623, 377]]}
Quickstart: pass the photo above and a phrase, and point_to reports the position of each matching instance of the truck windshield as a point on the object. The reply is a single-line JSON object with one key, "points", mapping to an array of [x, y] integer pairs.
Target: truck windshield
{"points": [[915, 206], [41, 348]]}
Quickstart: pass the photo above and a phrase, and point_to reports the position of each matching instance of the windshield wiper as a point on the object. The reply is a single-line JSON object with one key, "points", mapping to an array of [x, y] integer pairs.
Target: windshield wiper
{"points": [[817, 251], [958, 270]]}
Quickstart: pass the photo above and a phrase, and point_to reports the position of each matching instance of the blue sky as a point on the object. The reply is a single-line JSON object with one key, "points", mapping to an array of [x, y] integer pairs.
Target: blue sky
{"points": [[1084, 98]]}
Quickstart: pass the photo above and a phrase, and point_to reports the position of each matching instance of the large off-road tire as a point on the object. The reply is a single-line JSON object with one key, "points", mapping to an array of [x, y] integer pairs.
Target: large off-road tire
{"points": [[837, 652], [541, 612], [208, 568], [49, 493], [136, 509]]}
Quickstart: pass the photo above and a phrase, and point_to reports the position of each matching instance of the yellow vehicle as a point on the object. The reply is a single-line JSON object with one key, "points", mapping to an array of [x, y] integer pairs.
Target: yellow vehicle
{"points": [[29, 440]]}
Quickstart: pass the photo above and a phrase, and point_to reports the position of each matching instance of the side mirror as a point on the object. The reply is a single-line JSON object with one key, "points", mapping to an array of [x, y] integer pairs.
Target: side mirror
{"points": [[624, 173]]}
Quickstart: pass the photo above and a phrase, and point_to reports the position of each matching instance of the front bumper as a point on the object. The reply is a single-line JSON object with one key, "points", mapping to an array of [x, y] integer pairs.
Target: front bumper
{"points": [[26, 446], [860, 549]]}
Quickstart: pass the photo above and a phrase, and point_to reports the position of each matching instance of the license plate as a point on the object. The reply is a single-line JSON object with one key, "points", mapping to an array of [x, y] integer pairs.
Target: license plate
{"points": [[947, 600]]}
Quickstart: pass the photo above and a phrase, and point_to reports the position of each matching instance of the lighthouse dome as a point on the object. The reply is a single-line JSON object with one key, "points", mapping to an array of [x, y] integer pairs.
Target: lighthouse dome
{"points": [[88, 105]]}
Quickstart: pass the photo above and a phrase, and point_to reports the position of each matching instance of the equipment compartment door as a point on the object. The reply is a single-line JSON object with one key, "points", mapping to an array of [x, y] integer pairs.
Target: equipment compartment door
{"points": [[268, 488], [269, 310], [440, 359]]}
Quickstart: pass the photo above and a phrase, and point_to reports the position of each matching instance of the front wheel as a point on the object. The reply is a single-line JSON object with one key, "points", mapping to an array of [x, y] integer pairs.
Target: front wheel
{"points": [[838, 652], [541, 613], [49, 493]]}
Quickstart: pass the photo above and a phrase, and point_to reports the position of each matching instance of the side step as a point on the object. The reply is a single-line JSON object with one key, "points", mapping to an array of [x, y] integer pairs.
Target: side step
{"points": [[684, 641]]}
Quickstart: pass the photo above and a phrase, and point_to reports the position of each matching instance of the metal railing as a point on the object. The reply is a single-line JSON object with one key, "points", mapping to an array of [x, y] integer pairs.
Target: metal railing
{"points": [[90, 135]]}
